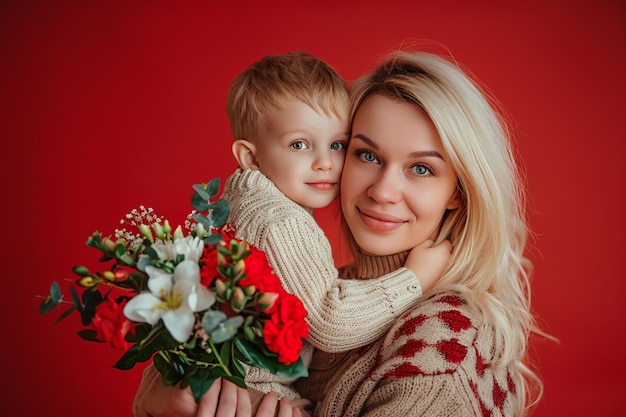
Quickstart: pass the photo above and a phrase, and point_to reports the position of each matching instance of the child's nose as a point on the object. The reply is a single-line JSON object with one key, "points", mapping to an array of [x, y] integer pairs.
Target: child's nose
{"points": [[322, 162]]}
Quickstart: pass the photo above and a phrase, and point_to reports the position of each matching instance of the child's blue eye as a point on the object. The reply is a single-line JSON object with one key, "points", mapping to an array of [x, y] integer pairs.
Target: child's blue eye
{"points": [[299, 145], [337, 146]]}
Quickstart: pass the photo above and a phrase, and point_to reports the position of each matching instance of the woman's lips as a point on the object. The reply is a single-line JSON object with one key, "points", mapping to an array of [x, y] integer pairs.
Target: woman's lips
{"points": [[380, 222]]}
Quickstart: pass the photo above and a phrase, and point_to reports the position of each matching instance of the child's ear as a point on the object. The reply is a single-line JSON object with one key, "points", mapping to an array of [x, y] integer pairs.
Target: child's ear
{"points": [[245, 154]]}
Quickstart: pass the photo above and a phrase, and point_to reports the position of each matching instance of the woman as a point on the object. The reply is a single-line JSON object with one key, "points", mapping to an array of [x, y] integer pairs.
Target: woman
{"points": [[429, 157]]}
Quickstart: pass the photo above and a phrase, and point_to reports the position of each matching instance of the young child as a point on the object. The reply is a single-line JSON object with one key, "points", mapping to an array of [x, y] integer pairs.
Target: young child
{"points": [[288, 116]]}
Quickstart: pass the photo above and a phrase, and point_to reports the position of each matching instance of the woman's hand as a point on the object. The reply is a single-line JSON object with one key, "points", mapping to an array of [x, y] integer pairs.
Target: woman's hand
{"points": [[270, 402], [223, 399]]}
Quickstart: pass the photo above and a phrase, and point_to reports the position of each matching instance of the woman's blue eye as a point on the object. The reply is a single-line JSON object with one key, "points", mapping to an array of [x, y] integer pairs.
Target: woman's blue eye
{"points": [[367, 156], [421, 170], [337, 146]]}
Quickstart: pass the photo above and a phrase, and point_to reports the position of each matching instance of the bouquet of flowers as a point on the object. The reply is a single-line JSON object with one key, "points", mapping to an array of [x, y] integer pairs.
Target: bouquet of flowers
{"points": [[200, 302]]}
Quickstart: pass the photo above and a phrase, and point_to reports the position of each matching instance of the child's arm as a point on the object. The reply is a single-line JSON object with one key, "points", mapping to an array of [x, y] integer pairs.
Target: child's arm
{"points": [[342, 313]]}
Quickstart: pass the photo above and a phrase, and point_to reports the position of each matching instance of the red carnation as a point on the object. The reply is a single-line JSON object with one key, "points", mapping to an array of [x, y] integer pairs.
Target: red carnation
{"points": [[111, 325], [284, 331], [208, 270], [259, 273]]}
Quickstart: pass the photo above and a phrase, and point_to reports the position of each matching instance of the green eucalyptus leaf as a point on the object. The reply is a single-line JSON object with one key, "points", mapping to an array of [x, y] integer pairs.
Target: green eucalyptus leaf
{"points": [[65, 314], [89, 335], [205, 221], [220, 204], [91, 298], [47, 305], [80, 270], [76, 299], [220, 215], [201, 191], [212, 319], [213, 187], [55, 292], [199, 202], [222, 334], [213, 239]]}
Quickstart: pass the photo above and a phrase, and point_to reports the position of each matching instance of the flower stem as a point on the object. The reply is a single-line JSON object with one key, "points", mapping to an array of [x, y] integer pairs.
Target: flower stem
{"points": [[219, 358]]}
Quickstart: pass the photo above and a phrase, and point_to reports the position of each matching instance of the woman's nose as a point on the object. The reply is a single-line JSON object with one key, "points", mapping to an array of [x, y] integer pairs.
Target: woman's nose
{"points": [[386, 188]]}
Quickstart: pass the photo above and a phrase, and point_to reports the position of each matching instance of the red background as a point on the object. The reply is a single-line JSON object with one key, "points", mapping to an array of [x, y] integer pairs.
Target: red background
{"points": [[108, 105]]}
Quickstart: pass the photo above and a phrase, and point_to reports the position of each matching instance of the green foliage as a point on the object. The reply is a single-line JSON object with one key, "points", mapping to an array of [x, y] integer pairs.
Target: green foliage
{"points": [[52, 300], [220, 343], [257, 354], [217, 211]]}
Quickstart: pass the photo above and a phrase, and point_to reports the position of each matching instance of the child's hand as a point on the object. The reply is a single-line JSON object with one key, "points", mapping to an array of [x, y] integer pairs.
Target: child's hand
{"points": [[428, 262]]}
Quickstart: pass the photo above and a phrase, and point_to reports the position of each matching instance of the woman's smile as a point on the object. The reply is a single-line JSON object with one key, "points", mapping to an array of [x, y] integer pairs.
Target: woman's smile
{"points": [[379, 222]]}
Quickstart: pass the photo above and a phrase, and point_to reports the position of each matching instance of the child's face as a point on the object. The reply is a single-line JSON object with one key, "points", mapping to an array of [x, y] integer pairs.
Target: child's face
{"points": [[302, 152]]}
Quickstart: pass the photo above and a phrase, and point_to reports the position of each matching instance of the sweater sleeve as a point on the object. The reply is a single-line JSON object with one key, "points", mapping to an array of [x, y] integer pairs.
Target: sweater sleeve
{"points": [[342, 313]]}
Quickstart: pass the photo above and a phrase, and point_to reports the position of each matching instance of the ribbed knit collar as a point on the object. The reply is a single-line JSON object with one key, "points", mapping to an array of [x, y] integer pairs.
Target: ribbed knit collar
{"points": [[368, 267]]}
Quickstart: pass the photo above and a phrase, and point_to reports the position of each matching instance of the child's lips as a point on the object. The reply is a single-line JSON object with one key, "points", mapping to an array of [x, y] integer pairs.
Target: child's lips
{"points": [[322, 185]]}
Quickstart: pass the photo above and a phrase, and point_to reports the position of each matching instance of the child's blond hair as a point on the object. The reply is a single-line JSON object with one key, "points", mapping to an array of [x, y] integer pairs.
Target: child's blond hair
{"points": [[276, 79]]}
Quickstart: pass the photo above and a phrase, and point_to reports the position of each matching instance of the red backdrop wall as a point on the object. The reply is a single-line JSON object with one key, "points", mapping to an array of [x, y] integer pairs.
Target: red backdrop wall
{"points": [[108, 105]]}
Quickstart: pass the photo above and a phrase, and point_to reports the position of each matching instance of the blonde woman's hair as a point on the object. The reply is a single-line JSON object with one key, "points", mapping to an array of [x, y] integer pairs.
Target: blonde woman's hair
{"points": [[276, 79], [489, 231]]}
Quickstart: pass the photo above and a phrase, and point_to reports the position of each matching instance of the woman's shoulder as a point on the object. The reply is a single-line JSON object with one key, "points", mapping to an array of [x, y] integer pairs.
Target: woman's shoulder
{"points": [[434, 337]]}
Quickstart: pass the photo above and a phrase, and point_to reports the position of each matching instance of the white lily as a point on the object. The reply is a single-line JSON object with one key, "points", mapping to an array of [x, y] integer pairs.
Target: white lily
{"points": [[173, 298], [189, 246]]}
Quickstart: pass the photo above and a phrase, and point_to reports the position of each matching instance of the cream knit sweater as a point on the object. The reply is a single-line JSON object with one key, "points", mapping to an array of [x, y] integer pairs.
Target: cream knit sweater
{"points": [[343, 314], [437, 360]]}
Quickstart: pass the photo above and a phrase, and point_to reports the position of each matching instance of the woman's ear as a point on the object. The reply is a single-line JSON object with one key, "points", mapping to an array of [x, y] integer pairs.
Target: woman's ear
{"points": [[245, 154], [456, 200]]}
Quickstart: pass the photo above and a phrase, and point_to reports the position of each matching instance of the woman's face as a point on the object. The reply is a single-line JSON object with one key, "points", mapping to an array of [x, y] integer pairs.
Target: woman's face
{"points": [[397, 182]]}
